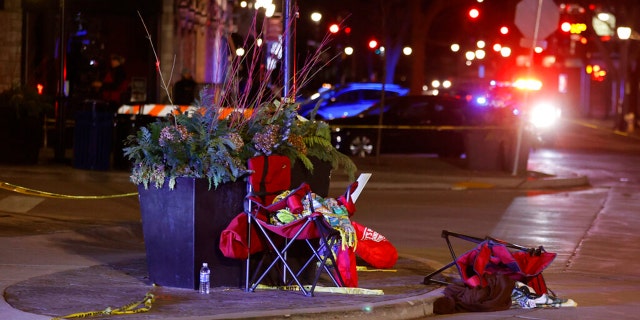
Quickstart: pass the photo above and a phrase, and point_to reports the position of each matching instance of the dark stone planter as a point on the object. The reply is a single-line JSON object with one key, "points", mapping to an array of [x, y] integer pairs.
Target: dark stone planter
{"points": [[318, 180], [182, 229]]}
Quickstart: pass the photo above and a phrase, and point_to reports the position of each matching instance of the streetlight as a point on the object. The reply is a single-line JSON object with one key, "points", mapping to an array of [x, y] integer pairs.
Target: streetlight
{"points": [[505, 51], [348, 51], [470, 55], [316, 17], [334, 28], [624, 33]]}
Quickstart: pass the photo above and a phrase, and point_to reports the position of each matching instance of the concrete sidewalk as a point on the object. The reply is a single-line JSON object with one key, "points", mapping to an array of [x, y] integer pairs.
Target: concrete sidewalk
{"points": [[101, 263]]}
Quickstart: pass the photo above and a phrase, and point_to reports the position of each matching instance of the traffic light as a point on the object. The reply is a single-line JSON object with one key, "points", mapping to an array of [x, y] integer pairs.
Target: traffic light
{"points": [[596, 72], [573, 27]]}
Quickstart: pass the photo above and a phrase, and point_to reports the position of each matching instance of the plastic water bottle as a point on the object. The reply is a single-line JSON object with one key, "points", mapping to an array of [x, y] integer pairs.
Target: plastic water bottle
{"points": [[205, 273]]}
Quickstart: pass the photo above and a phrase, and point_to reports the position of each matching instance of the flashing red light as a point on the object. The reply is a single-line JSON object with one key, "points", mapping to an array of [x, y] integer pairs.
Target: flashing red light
{"points": [[334, 28], [347, 30], [373, 44]]}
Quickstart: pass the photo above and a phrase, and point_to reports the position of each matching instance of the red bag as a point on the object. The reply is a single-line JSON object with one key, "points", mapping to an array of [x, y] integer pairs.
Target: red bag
{"points": [[374, 248], [346, 260], [233, 239]]}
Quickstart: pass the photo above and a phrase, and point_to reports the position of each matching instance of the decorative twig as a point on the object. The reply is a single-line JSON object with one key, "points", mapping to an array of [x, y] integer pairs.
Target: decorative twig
{"points": [[155, 54]]}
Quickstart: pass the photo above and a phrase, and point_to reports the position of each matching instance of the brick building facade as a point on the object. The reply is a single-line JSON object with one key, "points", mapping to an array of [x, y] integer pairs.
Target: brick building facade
{"points": [[10, 43]]}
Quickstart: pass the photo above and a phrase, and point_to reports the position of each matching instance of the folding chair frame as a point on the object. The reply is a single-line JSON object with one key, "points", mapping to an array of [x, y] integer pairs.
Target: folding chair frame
{"points": [[327, 239], [446, 234]]}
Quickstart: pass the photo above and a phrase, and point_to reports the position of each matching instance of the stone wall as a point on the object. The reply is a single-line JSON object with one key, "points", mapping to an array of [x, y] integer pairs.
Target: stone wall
{"points": [[10, 43]]}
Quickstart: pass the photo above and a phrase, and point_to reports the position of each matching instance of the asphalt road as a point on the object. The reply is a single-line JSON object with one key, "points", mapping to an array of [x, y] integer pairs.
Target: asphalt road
{"points": [[592, 228]]}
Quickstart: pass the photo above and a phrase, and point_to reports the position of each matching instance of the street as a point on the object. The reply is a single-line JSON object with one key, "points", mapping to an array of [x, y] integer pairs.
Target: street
{"points": [[593, 229]]}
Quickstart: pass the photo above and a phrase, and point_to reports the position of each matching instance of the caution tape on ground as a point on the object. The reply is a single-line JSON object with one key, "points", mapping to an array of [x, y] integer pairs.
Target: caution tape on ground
{"points": [[143, 305], [343, 290], [365, 269], [38, 193]]}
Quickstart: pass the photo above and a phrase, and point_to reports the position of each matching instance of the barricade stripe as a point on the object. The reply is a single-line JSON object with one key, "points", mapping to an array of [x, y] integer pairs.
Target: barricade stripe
{"points": [[156, 109], [44, 194]]}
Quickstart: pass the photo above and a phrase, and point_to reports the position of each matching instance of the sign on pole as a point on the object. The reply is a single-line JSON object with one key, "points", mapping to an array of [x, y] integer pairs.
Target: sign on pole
{"points": [[537, 19]]}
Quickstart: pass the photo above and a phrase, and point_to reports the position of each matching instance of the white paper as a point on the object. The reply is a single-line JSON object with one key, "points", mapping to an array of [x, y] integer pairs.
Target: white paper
{"points": [[362, 181]]}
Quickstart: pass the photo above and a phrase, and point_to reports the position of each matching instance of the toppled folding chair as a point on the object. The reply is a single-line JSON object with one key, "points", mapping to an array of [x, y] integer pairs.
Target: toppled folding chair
{"points": [[495, 256], [279, 239]]}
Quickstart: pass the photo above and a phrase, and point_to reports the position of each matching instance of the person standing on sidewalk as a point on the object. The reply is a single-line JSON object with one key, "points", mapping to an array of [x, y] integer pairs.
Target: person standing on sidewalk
{"points": [[114, 85]]}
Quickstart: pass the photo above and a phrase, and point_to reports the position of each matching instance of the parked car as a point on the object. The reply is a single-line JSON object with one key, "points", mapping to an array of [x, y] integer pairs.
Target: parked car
{"points": [[410, 124], [347, 100]]}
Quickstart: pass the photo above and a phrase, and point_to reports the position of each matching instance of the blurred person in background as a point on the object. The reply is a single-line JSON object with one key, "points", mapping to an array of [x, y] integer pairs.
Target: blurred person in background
{"points": [[184, 89], [114, 85]]}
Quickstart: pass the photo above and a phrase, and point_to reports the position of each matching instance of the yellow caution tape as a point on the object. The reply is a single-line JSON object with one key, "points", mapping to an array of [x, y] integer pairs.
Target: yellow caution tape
{"points": [[143, 305], [365, 269], [38, 193], [341, 290]]}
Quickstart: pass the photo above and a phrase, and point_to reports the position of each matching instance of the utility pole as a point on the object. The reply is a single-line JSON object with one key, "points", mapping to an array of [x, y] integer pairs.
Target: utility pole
{"points": [[59, 151], [289, 73]]}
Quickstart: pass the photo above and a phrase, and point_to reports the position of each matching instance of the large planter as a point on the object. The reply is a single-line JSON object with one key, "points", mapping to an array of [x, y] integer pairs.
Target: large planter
{"points": [[318, 180], [182, 227]]}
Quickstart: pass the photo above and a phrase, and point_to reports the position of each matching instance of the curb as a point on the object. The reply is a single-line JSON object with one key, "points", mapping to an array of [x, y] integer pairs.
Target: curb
{"points": [[401, 309], [556, 182]]}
